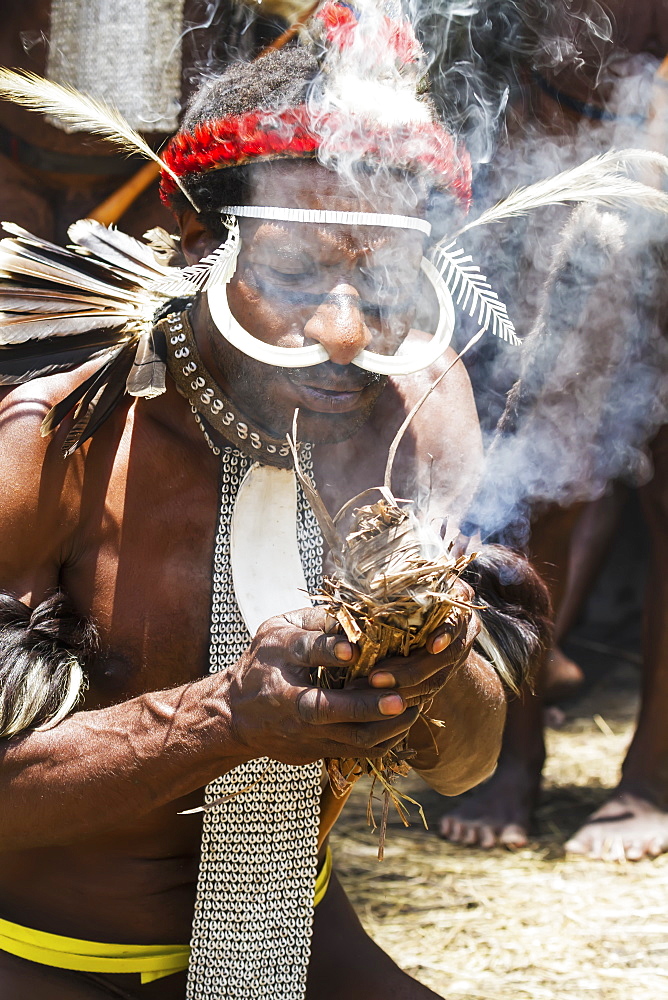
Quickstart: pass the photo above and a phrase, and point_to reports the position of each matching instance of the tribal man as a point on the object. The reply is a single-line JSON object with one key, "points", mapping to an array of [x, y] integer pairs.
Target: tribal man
{"points": [[106, 560]]}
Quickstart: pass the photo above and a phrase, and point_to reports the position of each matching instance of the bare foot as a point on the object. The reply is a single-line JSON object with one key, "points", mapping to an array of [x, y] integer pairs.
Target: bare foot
{"points": [[627, 827], [563, 677], [499, 811]]}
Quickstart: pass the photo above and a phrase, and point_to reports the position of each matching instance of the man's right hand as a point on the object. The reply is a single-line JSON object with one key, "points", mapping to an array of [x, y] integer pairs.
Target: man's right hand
{"points": [[276, 712]]}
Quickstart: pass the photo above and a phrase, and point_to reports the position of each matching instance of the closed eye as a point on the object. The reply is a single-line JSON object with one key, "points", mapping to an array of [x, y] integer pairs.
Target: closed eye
{"points": [[286, 278]]}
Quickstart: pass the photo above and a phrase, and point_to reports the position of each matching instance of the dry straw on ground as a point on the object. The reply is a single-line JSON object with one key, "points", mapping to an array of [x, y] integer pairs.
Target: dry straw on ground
{"points": [[525, 925]]}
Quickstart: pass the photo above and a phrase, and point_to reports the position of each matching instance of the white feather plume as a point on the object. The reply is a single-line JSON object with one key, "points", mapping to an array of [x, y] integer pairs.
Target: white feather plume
{"points": [[80, 111], [601, 180]]}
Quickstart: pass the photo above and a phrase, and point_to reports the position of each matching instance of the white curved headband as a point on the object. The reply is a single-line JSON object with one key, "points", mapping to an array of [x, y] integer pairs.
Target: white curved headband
{"points": [[317, 215], [315, 354]]}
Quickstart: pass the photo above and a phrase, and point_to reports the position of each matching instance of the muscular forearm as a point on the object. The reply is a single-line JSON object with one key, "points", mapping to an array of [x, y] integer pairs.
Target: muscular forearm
{"points": [[97, 769], [464, 751]]}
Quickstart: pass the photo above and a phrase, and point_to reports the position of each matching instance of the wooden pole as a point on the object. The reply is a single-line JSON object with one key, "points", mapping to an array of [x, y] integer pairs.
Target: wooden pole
{"points": [[657, 125], [113, 207], [290, 32], [662, 71], [657, 117]]}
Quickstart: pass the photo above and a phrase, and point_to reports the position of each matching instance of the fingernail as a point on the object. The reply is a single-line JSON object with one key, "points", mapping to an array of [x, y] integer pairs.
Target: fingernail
{"points": [[441, 642], [343, 651], [383, 680], [391, 704]]}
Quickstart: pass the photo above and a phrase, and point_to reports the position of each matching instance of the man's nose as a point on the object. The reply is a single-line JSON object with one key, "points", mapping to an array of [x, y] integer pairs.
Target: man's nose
{"points": [[338, 324]]}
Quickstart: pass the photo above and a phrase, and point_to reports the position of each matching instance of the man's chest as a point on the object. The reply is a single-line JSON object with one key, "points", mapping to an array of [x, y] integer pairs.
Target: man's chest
{"points": [[142, 564], [164, 568], [142, 569]]}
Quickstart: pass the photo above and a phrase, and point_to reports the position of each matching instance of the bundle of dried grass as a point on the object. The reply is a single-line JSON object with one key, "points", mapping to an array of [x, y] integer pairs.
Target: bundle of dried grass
{"points": [[392, 587], [388, 597]]}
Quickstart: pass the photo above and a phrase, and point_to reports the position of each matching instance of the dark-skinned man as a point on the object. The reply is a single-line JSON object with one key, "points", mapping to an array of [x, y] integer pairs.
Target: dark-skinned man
{"points": [[127, 528]]}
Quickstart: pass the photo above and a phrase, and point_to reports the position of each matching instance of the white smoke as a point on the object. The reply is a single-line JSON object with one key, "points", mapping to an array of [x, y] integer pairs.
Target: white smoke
{"points": [[593, 284]]}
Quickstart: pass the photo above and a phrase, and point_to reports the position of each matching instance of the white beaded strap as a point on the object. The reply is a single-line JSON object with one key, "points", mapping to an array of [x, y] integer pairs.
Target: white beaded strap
{"points": [[333, 218]]}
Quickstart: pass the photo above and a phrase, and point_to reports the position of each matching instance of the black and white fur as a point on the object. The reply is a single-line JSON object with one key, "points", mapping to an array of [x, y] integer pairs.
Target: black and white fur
{"points": [[44, 652]]}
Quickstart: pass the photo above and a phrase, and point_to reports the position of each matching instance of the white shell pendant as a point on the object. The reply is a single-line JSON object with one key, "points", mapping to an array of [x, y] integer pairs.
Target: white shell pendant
{"points": [[267, 571]]}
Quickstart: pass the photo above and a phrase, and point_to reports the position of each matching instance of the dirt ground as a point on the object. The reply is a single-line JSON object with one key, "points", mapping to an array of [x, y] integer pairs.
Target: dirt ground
{"points": [[529, 924], [524, 925]]}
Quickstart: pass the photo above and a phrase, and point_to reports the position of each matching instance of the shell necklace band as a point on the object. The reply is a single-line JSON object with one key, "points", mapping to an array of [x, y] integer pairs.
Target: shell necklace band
{"points": [[195, 383]]}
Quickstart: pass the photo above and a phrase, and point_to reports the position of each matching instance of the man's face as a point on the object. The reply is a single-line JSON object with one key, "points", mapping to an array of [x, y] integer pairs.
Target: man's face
{"points": [[296, 284]]}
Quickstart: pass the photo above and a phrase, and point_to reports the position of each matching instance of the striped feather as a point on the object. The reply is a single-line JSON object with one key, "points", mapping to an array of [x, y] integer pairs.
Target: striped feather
{"points": [[32, 298], [100, 399], [59, 411], [117, 248], [147, 377], [16, 329], [22, 363], [472, 292]]}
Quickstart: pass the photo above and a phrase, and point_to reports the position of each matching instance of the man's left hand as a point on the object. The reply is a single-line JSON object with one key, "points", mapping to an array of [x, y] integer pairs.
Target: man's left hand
{"points": [[450, 683], [420, 676]]}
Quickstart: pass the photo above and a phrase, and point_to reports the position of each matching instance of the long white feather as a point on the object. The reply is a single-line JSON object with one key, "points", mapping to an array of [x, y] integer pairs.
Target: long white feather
{"points": [[79, 110], [472, 292], [117, 248], [600, 180]]}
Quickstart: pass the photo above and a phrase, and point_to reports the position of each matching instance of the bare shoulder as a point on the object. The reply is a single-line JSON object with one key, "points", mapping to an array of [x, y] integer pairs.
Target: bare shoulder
{"points": [[38, 486], [440, 456], [22, 410], [455, 384], [447, 413]]}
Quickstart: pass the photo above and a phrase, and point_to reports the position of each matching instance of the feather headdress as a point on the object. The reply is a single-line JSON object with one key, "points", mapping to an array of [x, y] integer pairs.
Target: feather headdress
{"points": [[60, 308]]}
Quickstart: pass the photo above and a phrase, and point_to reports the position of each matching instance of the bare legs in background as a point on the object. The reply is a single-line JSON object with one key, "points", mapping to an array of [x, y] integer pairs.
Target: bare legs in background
{"points": [[568, 547]]}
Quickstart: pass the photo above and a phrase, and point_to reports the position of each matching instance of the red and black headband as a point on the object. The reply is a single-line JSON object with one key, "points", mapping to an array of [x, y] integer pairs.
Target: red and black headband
{"points": [[299, 132], [263, 136]]}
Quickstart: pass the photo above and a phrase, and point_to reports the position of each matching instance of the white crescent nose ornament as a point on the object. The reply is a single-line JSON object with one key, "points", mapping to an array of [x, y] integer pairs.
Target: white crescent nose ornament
{"points": [[314, 354]]}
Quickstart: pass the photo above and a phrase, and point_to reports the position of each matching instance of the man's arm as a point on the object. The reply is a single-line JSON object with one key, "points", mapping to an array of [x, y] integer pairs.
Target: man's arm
{"points": [[453, 679], [440, 459], [510, 624], [468, 697], [98, 768], [463, 695], [463, 751]]}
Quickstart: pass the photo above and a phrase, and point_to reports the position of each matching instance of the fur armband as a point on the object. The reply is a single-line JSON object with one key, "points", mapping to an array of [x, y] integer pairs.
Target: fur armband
{"points": [[43, 655], [515, 617]]}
